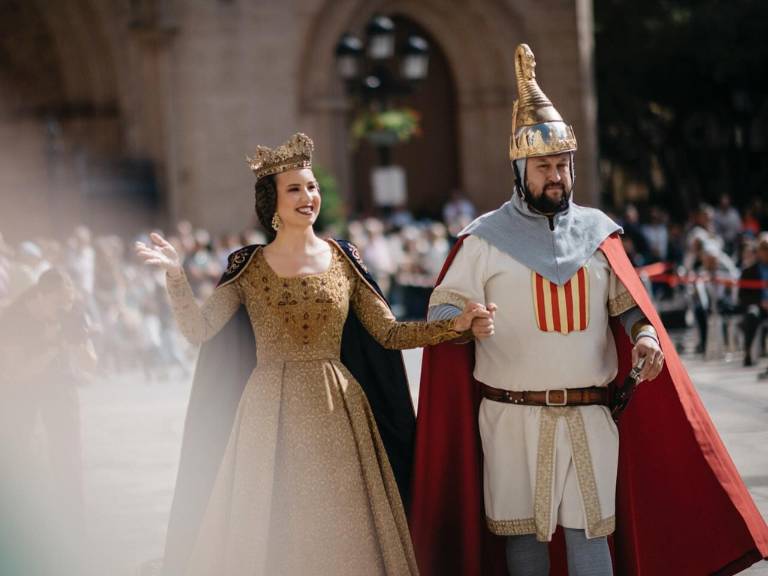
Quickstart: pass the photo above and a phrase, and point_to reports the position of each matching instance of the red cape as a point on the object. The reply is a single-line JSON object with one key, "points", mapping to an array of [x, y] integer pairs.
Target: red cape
{"points": [[681, 509]]}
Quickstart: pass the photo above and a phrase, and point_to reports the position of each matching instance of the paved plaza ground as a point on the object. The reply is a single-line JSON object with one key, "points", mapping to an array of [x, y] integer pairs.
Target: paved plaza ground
{"points": [[132, 431]]}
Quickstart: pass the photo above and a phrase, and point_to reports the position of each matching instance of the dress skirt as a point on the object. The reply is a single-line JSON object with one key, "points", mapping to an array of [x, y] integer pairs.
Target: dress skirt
{"points": [[305, 486]]}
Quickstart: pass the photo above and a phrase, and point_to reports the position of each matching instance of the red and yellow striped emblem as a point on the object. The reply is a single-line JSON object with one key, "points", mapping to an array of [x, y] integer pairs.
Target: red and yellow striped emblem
{"points": [[564, 308]]}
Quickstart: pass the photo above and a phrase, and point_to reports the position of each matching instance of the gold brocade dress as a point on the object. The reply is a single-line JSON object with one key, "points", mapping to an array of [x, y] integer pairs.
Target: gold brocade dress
{"points": [[305, 486]]}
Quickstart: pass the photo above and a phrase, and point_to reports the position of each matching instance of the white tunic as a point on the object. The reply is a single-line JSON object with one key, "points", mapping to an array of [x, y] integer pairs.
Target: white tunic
{"points": [[543, 465]]}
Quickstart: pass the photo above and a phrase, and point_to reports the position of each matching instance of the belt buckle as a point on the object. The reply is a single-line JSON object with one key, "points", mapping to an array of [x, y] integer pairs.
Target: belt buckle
{"points": [[565, 397]]}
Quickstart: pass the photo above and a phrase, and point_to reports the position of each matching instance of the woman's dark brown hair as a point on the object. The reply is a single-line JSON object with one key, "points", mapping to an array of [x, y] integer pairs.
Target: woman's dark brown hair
{"points": [[266, 203]]}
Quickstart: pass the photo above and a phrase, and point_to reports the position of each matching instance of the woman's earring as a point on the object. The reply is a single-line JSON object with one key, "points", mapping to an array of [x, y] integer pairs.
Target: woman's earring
{"points": [[276, 222]]}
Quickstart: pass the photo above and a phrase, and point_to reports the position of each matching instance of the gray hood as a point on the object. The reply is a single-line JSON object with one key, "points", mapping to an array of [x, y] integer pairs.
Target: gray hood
{"points": [[526, 236]]}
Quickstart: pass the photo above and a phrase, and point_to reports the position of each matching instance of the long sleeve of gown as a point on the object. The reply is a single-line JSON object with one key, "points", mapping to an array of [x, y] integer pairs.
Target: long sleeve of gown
{"points": [[201, 323], [378, 319]]}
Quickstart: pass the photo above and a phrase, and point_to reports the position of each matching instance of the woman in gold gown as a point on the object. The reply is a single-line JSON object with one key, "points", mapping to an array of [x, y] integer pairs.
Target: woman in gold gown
{"points": [[305, 485]]}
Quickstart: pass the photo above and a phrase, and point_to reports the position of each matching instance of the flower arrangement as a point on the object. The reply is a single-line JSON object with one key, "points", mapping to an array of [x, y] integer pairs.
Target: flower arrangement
{"points": [[388, 127]]}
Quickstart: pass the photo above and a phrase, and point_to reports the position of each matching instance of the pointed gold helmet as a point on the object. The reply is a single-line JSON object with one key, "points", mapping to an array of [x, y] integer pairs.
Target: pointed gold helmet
{"points": [[537, 128]]}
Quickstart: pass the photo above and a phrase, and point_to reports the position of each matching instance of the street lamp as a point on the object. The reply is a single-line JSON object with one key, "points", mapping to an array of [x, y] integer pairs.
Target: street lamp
{"points": [[376, 70], [415, 63], [381, 37], [349, 52], [374, 73]]}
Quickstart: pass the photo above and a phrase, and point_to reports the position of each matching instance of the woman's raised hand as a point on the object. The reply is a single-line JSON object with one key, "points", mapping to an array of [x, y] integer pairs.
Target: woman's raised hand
{"points": [[161, 254], [477, 317]]}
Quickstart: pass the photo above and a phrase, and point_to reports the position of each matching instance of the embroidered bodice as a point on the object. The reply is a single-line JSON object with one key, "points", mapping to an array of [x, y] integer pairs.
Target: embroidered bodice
{"points": [[301, 317]]}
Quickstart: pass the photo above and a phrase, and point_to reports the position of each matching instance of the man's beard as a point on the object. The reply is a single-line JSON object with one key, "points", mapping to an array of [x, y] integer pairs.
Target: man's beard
{"points": [[544, 203]]}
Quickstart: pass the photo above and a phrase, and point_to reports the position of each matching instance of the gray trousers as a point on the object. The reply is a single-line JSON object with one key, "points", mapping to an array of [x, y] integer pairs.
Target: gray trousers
{"points": [[526, 556]]}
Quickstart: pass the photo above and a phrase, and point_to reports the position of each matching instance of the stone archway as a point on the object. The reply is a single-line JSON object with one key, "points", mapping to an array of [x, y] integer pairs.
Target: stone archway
{"points": [[430, 160], [478, 39], [483, 71]]}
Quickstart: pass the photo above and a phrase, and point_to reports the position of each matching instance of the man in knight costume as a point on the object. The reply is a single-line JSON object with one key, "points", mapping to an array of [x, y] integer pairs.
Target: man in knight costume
{"points": [[515, 436]]}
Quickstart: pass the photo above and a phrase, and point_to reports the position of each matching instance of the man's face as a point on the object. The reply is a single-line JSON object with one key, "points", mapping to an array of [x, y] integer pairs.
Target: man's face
{"points": [[548, 182]]}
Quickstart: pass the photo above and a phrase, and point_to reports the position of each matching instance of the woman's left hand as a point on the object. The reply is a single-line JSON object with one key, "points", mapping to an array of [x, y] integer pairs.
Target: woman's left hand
{"points": [[647, 347], [472, 311]]}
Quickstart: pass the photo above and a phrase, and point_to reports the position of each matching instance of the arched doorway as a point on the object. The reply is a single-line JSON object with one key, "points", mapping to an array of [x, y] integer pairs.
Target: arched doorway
{"points": [[478, 39], [473, 42], [430, 160]]}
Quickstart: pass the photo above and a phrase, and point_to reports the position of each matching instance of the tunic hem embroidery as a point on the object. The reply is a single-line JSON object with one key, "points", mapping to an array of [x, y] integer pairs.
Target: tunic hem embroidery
{"points": [[545, 464], [582, 460], [516, 527]]}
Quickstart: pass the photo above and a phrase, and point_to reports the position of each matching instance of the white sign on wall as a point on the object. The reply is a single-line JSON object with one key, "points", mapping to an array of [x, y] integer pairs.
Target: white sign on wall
{"points": [[389, 186]]}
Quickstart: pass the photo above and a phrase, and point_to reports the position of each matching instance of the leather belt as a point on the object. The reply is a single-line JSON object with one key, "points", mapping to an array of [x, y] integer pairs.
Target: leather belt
{"points": [[560, 397]]}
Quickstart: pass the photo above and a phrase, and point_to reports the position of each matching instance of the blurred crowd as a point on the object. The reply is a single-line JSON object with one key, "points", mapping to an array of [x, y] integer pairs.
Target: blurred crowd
{"points": [[126, 309], [122, 302], [712, 268], [86, 308], [694, 265]]}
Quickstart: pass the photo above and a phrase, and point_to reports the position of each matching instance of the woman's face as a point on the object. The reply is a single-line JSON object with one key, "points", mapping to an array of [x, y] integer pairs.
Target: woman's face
{"points": [[298, 198]]}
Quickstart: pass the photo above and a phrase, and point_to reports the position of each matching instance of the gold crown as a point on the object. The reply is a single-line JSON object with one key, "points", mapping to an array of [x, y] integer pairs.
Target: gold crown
{"points": [[293, 154], [537, 127]]}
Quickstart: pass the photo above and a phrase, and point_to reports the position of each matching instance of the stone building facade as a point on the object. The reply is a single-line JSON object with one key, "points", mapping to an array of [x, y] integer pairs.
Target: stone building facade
{"points": [[171, 95]]}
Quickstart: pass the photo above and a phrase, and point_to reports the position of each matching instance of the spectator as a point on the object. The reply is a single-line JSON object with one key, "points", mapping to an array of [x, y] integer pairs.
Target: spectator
{"points": [[753, 216], [437, 250], [656, 234], [82, 259], [44, 350], [377, 255], [634, 232], [753, 301], [727, 223], [748, 255], [676, 243], [401, 218], [712, 293], [457, 213], [702, 234], [27, 268]]}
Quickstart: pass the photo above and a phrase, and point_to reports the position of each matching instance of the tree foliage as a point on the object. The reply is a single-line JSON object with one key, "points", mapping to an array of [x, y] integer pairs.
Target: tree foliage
{"points": [[682, 88]]}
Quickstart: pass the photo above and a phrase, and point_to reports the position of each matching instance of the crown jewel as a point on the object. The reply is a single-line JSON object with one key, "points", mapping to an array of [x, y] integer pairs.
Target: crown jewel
{"points": [[295, 153]]}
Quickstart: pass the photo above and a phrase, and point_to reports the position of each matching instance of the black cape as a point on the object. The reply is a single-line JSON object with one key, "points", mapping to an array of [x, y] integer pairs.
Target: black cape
{"points": [[223, 368]]}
